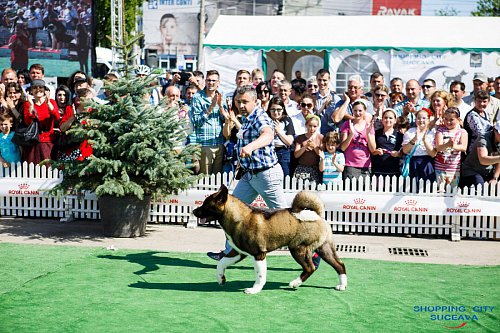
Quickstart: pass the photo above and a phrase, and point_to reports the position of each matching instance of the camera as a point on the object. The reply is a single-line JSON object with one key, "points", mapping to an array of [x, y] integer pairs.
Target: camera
{"points": [[184, 81]]}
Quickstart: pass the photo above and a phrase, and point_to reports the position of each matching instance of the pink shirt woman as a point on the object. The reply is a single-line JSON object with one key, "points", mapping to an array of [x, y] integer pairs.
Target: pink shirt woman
{"points": [[358, 141]]}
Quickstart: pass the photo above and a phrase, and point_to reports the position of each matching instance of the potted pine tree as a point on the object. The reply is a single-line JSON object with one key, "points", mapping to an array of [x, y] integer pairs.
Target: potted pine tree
{"points": [[137, 154]]}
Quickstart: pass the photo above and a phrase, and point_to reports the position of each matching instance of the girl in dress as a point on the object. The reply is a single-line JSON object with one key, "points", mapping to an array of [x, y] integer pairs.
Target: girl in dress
{"points": [[419, 141], [451, 142]]}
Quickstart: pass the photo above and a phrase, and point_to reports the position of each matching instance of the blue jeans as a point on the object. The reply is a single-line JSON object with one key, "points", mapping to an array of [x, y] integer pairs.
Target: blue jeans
{"points": [[284, 159], [268, 183]]}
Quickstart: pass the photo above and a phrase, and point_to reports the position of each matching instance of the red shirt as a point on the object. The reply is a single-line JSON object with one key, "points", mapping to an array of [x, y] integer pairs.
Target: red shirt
{"points": [[19, 49], [45, 118]]}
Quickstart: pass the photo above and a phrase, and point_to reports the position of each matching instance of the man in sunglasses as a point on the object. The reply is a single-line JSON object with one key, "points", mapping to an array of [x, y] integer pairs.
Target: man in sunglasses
{"points": [[326, 100], [428, 88]]}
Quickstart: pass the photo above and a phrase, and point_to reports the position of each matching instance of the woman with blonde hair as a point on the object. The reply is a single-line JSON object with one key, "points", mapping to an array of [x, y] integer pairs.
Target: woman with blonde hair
{"points": [[440, 101], [308, 151]]}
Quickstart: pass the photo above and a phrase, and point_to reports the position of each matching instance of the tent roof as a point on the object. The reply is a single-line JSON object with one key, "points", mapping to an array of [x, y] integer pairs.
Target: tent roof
{"points": [[420, 33]]}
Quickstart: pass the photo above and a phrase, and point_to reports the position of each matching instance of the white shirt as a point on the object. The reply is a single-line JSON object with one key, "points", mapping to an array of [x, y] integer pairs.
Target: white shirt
{"points": [[292, 109], [420, 151], [464, 108]]}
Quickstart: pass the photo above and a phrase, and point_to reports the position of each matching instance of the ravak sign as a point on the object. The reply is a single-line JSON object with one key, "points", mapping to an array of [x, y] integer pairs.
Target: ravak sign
{"points": [[396, 7]]}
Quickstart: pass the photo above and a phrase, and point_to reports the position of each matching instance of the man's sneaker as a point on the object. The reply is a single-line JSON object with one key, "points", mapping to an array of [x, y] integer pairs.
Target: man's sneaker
{"points": [[216, 255], [316, 260]]}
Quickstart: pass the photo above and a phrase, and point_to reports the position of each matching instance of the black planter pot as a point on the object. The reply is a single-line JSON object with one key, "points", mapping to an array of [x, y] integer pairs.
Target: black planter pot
{"points": [[124, 216]]}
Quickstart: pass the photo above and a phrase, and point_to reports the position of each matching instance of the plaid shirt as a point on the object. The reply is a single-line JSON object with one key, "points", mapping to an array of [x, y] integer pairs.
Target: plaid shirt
{"points": [[264, 157], [206, 128]]}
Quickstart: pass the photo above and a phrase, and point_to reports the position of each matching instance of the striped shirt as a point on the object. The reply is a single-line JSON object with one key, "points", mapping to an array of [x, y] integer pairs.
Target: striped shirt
{"points": [[251, 127], [331, 174], [449, 160], [206, 127]]}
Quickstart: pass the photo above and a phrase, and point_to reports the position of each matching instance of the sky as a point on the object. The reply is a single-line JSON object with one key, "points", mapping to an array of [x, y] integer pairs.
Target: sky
{"points": [[464, 7]]}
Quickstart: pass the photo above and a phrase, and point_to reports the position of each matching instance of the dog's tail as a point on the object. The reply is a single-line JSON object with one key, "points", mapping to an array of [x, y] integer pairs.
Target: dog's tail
{"points": [[307, 201]]}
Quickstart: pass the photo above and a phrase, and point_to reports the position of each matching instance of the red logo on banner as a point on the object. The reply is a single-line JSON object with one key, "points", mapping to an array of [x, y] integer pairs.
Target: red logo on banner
{"points": [[462, 207], [396, 7], [23, 189], [359, 204], [411, 205]]}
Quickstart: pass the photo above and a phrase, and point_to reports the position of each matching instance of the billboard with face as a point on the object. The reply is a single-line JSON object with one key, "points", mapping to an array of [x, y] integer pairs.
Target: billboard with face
{"points": [[57, 34], [171, 27]]}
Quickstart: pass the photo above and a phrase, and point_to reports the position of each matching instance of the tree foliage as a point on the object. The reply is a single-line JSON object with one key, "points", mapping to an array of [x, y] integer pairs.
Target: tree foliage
{"points": [[487, 8], [447, 11], [133, 8]]}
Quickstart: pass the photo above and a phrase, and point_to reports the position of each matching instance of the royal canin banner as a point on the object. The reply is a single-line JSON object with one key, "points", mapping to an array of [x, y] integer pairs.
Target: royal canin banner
{"points": [[396, 7], [26, 187], [375, 203], [334, 201]]}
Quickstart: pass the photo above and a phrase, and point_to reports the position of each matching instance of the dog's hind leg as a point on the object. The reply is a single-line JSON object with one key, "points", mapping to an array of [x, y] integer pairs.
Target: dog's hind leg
{"points": [[260, 266], [303, 257], [223, 264], [327, 253]]}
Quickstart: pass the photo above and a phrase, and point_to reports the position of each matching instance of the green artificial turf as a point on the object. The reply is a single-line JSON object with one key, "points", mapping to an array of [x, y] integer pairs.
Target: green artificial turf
{"points": [[81, 289]]}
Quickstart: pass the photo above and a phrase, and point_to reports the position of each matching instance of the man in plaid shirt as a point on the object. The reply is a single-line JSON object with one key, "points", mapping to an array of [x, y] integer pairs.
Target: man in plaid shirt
{"points": [[207, 109], [262, 172]]}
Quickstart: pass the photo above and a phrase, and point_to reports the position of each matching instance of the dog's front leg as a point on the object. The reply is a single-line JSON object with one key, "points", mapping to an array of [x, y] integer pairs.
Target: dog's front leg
{"points": [[261, 276], [222, 265]]}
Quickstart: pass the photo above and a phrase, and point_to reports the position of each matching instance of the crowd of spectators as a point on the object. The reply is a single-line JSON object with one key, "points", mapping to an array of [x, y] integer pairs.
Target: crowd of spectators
{"points": [[319, 135], [64, 25]]}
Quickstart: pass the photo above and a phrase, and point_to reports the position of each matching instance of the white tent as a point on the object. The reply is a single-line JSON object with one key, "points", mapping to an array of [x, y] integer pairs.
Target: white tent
{"points": [[441, 47]]}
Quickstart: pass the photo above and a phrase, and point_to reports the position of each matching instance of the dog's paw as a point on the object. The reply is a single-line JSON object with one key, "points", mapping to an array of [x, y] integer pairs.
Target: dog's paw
{"points": [[341, 287], [252, 291], [221, 279], [295, 283]]}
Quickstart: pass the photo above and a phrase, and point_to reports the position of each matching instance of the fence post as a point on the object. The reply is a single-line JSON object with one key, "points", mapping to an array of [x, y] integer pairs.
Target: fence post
{"points": [[455, 228], [68, 210]]}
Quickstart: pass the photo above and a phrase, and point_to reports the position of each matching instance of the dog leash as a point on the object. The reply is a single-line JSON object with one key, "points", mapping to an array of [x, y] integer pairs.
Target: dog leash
{"points": [[236, 170]]}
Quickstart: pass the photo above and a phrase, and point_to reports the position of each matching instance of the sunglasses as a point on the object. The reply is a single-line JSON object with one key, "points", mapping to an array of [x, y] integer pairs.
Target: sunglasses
{"points": [[380, 95], [306, 105], [276, 110], [312, 86], [427, 86]]}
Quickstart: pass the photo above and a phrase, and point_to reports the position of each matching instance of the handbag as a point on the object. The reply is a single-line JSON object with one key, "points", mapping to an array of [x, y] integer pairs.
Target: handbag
{"points": [[405, 169], [27, 135]]}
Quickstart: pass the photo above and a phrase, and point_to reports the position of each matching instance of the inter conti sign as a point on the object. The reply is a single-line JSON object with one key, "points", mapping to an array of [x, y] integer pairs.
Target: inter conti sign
{"points": [[396, 7]]}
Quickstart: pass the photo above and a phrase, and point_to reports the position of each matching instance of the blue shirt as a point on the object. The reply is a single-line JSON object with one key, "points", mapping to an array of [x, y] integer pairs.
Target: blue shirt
{"points": [[8, 149], [421, 103], [206, 128], [325, 116], [251, 127]]}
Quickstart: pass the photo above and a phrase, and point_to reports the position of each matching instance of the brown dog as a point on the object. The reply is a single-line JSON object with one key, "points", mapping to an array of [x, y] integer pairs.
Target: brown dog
{"points": [[255, 232]]}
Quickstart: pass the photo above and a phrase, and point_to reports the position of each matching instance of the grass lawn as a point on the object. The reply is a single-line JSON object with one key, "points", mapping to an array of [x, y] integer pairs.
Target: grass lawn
{"points": [[82, 289]]}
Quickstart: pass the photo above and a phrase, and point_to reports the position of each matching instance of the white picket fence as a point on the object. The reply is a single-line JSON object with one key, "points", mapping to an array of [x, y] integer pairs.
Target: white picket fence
{"points": [[16, 180]]}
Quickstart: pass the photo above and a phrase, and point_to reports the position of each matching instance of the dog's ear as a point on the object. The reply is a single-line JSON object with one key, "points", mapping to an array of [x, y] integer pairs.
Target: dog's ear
{"points": [[221, 194]]}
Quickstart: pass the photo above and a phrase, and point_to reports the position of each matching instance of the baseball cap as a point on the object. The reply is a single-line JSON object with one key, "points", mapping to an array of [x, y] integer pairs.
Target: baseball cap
{"points": [[481, 77]]}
